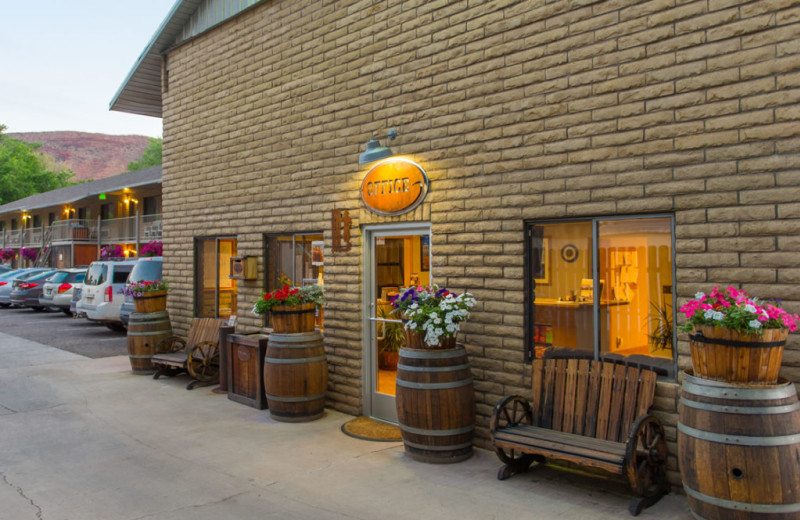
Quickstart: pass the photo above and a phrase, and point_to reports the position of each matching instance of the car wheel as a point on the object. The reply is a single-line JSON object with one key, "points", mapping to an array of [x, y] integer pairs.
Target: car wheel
{"points": [[116, 327], [37, 308], [5, 305]]}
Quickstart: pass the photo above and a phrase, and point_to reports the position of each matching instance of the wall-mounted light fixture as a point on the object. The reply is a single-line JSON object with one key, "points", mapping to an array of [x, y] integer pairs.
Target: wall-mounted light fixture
{"points": [[375, 151]]}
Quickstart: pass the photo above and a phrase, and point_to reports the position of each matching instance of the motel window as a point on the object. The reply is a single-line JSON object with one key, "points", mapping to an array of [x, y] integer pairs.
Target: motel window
{"points": [[294, 260], [215, 291], [602, 289], [37, 221]]}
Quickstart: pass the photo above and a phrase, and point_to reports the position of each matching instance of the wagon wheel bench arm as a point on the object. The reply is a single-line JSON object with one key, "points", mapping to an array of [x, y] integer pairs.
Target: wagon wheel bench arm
{"points": [[203, 361]]}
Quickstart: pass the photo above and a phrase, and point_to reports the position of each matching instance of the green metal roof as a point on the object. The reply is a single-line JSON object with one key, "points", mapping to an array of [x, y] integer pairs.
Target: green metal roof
{"points": [[140, 92]]}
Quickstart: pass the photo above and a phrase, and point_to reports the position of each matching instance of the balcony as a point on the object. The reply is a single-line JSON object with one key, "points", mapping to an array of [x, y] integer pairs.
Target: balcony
{"points": [[128, 230]]}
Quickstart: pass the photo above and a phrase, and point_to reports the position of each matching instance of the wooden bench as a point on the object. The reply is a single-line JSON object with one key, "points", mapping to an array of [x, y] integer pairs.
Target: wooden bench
{"points": [[590, 413], [198, 355]]}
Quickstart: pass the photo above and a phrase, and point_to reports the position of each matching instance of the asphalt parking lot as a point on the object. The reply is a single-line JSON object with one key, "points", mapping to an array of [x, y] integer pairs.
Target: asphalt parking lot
{"points": [[76, 335]]}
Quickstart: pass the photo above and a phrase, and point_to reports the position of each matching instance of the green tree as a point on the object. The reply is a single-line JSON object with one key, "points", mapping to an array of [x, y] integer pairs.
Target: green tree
{"points": [[25, 172], [150, 157]]}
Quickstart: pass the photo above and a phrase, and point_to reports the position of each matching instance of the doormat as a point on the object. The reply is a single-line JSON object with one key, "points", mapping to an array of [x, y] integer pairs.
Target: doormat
{"points": [[369, 429]]}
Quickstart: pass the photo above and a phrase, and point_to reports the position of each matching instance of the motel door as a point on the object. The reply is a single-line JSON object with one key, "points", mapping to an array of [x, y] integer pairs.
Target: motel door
{"points": [[394, 257]]}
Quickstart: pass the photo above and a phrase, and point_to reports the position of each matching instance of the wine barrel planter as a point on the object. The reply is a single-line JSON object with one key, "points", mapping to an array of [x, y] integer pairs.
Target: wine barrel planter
{"points": [[295, 376], [726, 355], [293, 319], [149, 302], [738, 449], [145, 330], [435, 404]]}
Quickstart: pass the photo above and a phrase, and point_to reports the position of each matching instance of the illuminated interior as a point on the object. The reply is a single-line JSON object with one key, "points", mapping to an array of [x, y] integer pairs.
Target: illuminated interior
{"points": [[216, 291], [634, 286], [400, 261], [295, 260]]}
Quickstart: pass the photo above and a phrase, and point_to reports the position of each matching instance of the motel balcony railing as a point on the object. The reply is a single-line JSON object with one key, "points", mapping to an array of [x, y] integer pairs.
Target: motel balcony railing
{"points": [[138, 229]]}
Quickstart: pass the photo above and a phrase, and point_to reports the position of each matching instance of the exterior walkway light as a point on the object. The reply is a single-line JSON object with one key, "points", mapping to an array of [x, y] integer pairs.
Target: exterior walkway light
{"points": [[375, 151]]}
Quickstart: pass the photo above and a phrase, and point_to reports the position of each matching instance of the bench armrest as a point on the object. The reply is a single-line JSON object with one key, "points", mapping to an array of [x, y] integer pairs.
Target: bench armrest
{"points": [[169, 344], [512, 410]]}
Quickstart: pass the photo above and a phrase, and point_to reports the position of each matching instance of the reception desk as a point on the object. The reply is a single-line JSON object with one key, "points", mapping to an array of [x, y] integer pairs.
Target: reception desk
{"points": [[571, 322]]}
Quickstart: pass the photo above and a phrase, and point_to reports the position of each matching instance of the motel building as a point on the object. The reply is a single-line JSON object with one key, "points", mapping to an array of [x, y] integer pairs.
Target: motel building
{"points": [[581, 167]]}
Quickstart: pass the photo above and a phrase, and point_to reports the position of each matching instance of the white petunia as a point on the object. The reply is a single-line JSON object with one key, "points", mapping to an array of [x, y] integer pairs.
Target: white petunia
{"points": [[755, 324]]}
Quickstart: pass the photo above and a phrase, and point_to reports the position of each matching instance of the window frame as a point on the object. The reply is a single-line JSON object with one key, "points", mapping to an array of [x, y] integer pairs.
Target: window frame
{"points": [[268, 254], [196, 306], [529, 294]]}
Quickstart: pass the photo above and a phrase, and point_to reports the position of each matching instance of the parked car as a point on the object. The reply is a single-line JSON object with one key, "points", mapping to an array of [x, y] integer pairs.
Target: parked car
{"points": [[101, 300], [57, 290], [146, 269], [25, 293], [8, 285], [77, 292], [6, 269]]}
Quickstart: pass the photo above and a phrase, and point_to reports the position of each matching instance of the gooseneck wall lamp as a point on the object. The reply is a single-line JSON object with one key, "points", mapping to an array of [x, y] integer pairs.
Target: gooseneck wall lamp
{"points": [[375, 151]]}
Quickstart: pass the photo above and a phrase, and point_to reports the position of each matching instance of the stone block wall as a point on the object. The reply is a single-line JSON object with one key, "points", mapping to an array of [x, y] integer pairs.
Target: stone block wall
{"points": [[518, 110]]}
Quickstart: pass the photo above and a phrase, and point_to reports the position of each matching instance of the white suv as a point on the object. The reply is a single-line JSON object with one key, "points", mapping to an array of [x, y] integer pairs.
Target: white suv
{"points": [[101, 299]]}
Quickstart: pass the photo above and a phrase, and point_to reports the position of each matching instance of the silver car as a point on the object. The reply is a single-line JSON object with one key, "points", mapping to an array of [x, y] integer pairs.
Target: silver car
{"points": [[22, 274], [57, 291]]}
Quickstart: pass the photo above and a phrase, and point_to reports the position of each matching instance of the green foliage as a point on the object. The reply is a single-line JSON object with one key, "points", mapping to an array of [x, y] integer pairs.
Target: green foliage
{"points": [[150, 157], [24, 172]]}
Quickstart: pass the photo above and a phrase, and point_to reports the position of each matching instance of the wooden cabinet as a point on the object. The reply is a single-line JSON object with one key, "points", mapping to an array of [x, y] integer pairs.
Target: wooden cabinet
{"points": [[246, 369]]}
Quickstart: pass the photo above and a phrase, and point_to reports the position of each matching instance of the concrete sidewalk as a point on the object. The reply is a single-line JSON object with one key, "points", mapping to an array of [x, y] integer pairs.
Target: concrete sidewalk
{"points": [[83, 439]]}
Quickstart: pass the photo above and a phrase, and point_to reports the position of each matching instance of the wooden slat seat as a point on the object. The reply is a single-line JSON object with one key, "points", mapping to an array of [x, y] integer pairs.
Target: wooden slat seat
{"points": [[198, 354], [591, 413]]}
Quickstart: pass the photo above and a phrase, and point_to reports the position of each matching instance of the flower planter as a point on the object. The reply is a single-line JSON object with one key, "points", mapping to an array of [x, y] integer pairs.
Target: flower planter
{"points": [[153, 301], [416, 340], [726, 355], [145, 331], [737, 449], [293, 319], [436, 404], [388, 360], [295, 376]]}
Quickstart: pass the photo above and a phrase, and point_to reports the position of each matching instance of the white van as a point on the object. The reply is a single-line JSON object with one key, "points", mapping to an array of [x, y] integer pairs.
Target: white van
{"points": [[101, 298]]}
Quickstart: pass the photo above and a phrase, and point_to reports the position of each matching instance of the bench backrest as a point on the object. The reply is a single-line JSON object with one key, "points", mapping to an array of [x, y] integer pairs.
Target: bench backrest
{"points": [[203, 329], [592, 398]]}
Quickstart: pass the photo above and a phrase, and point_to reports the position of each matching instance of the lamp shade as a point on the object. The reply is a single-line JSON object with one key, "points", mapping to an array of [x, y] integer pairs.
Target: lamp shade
{"points": [[374, 152]]}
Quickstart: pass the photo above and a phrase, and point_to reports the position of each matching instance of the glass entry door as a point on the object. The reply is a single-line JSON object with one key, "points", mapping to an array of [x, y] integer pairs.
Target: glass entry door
{"points": [[395, 257]]}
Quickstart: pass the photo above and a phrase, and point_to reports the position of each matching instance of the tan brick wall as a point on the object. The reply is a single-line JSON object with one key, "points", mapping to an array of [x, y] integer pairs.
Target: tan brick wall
{"points": [[517, 110]]}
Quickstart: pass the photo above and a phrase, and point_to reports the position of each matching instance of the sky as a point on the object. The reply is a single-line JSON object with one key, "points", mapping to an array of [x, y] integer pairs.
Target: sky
{"points": [[63, 61]]}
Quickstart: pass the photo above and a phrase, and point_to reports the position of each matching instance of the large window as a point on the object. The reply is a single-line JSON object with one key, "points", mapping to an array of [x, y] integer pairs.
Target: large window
{"points": [[294, 260], [602, 289], [215, 291]]}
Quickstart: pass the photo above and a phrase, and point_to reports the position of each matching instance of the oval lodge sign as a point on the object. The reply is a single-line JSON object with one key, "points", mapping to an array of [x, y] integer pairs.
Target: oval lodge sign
{"points": [[394, 186]]}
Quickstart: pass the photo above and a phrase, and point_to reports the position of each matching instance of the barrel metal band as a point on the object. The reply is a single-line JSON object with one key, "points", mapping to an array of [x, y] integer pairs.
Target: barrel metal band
{"points": [[437, 433], [302, 399], [451, 368], [734, 392], [151, 333], [739, 440], [300, 337], [426, 447], [281, 346], [292, 361], [427, 354], [136, 316], [742, 506], [435, 386], [743, 410], [735, 343]]}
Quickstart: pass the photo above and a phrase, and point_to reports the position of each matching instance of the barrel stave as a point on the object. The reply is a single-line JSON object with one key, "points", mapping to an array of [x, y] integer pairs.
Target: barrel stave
{"points": [[738, 448], [436, 404]]}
